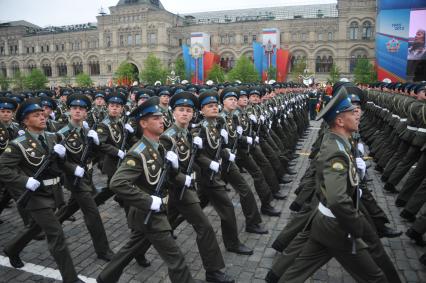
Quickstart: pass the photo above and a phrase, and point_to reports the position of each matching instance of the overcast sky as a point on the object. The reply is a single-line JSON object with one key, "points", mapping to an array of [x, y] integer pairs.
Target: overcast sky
{"points": [[66, 12]]}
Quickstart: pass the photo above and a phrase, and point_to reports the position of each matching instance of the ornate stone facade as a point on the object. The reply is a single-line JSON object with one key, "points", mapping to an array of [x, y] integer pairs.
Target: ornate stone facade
{"points": [[134, 28]]}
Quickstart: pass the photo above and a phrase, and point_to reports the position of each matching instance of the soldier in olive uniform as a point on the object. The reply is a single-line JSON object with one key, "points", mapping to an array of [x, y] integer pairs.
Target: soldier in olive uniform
{"points": [[211, 186], [337, 229], [98, 112], [164, 95], [78, 173], [183, 105], [114, 137], [135, 183], [21, 159], [9, 130]]}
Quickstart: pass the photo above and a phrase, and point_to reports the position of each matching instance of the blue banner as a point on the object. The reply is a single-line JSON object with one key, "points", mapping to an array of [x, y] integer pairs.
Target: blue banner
{"points": [[258, 57]]}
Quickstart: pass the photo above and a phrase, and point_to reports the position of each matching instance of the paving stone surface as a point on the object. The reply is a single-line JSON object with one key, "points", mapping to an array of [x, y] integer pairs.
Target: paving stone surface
{"points": [[244, 268]]}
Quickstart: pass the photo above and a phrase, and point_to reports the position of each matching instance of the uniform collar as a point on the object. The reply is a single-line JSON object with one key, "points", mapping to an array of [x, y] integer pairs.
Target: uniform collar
{"points": [[154, 144], [183, 131], [73, 126], [36, 135]]}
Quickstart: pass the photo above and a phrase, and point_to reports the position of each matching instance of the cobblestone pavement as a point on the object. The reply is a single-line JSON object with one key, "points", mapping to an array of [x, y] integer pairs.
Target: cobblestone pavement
{"points": [[244, 268]]}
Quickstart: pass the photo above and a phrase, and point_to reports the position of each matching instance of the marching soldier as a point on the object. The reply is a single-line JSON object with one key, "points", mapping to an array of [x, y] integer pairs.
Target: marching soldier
{"points": [[98, 112], [114, 136], [337, 228], [136, 183], [164, 95], [211, 186], [21, 159], [81, 143], [9, 130]]}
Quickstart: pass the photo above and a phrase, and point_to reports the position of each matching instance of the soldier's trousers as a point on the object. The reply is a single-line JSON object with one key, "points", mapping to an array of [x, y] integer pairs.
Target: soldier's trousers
{"points": [[166, 247], [420, 224], [4, 201], [271, 155], [363, 266], [84, 201], [247, 200], [396, 158], [404, 165], [221, 202], [417, 200], [414, 179], [208, 246], [47, 222], [244, 159], [266, 167]]}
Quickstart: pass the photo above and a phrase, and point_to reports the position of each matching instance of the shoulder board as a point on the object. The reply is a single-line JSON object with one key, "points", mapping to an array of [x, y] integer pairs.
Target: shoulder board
{"points": [[222, 114], [106, 121], [169, 132], [64, 130], [340, 145], [19, 139], [139, 148]]}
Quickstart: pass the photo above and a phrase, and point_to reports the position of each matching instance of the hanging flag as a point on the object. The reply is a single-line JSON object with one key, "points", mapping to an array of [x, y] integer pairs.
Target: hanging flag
{"points": [[258, 57], [283, 57]]}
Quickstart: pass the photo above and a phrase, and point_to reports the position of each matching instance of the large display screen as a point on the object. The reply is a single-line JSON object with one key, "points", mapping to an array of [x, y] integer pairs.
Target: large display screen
{"points": [[400, 40]]}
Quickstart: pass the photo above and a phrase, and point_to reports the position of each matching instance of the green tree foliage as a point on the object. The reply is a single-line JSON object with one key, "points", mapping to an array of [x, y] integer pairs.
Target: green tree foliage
{"points": [[153, 70], [127, 72], [216, 74], [180, 69], [272, 73], [83, 80], [298, 69], [364, 72], [334, 74], [35, 80], [4, 82], [18, 81], [243, 71]]}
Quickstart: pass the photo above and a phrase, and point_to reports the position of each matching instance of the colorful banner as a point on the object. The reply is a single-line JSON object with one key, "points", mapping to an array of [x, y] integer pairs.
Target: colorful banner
{"points": [[283, 59], [196, 69], [278, 59]]}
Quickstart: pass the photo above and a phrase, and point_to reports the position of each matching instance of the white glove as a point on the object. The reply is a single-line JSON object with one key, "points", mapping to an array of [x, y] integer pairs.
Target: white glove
{"points": [[173, 158], [262, 118], [121, 154], [21, 132], [253, 118], [256, 139], [231, 157], [188, 180], [224, 134], [156, 203], [214, 166], [249, 140], [276, 109], [79, 171], [85, 125], [52, 115], [361, 148], [32, 184], [361, 166], [60, 150], [94, 135], [240, 130], [198, 142], [129, 128]]}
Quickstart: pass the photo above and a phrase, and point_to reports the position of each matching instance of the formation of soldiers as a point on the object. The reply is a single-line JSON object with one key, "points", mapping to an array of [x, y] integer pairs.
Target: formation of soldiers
{"points": [[167, 152], [394, 127]]}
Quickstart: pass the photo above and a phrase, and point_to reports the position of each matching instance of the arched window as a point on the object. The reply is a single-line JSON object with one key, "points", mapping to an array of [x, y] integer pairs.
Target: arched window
{"points": [[77, 66], [62, 68], [318, 64], [94, 69], [3, 69], [355, 56], [366, 30], [353, 31], [323, 62], [15, 68], [31, 66], [46, 68]]}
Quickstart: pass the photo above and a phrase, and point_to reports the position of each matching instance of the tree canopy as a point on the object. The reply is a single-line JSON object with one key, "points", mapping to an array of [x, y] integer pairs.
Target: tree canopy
{"points": [[243, 71], [364, 72], [153, 70]]}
